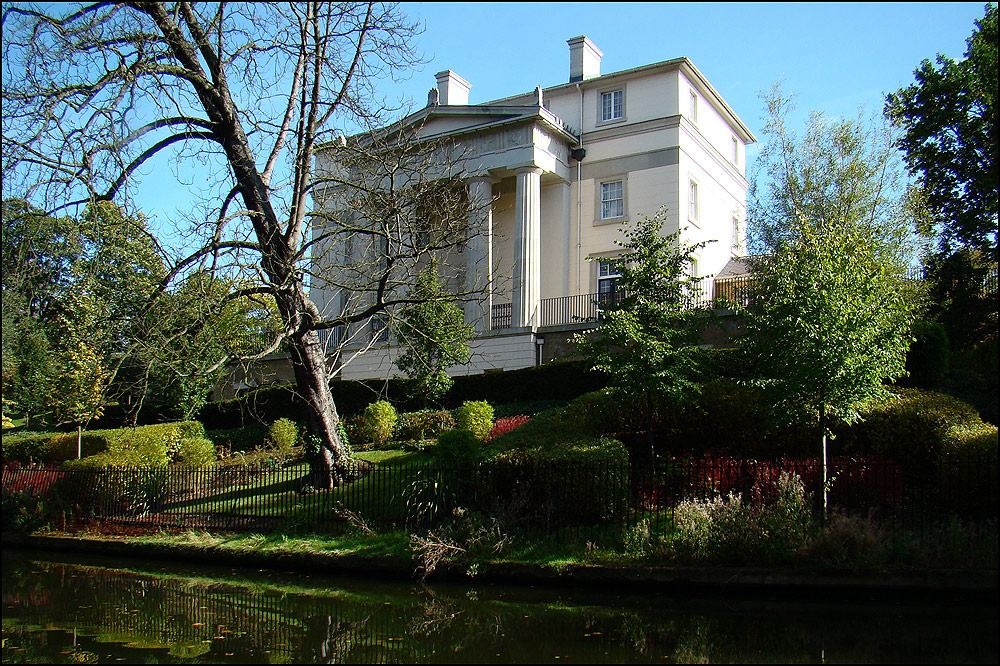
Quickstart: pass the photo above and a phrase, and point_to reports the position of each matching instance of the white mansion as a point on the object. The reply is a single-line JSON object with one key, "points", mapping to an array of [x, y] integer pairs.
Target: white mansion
{"points": [[558, 170]]}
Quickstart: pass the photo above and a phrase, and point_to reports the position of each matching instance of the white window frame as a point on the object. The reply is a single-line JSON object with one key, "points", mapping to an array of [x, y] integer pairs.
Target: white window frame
{"points": [[737, 245], [599, 201], [694, 203], [612, 207], [693, 105], [736, 151], [611, 92]]}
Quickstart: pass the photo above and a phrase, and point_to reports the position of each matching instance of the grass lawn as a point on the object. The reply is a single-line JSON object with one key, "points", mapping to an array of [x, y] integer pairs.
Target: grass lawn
{"points": [[279, 494]]}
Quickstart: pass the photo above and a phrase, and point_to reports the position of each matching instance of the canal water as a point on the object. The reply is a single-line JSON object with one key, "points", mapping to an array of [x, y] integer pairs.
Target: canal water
{"points": [[117, 611]]}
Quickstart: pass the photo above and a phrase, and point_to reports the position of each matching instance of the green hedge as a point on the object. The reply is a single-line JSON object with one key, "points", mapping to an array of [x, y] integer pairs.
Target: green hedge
{"points": [[424, 424], [560, 380], [247, 438], [145, 446], [921, 426]]}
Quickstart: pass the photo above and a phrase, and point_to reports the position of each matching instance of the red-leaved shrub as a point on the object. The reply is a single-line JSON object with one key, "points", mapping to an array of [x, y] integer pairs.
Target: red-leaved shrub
{"points": [[505, 425]]}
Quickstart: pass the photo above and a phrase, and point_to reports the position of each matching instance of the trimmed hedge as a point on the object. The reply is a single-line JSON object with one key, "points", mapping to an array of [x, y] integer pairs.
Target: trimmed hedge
{"points": [[247, 438], [561, 380], [919, 426], [425, 424], [558, 380], [145, 446], [458, 447]]}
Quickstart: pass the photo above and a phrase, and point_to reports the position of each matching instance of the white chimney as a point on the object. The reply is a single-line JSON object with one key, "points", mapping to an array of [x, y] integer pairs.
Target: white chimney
{"points": [[584, 59], [453, 90]]}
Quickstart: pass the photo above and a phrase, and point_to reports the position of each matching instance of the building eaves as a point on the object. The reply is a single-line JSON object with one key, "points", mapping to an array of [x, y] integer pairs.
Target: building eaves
{"points": [[498, 116], [684, 64]]}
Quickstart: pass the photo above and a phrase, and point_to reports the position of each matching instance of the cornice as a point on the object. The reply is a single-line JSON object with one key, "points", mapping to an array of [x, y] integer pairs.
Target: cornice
{"points": [[631, 129]]}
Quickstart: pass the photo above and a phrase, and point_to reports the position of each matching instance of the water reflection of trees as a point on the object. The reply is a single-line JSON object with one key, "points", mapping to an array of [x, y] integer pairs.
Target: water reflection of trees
{"points": [[257, 622]]}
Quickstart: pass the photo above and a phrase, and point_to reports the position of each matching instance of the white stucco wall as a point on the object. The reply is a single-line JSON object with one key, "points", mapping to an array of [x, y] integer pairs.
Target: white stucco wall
{"points": [[507, 350]]}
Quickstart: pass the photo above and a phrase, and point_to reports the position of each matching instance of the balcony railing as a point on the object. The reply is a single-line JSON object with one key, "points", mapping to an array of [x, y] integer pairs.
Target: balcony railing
{"points": [[501, 316], [586, 308]]}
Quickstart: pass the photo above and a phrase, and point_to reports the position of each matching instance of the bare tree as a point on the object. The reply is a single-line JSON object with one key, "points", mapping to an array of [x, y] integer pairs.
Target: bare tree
{"points": [[249, 95]]}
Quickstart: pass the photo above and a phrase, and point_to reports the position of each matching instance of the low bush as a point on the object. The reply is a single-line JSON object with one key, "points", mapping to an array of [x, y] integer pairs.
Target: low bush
{"points": [[849, 541], [505, 425], [197, 453], [380, 420], [145, 446], [283, 434], [582, 431], [23, 512], [458, 447], [261, 459], [356, 431], [425, 424], [476, 417]]}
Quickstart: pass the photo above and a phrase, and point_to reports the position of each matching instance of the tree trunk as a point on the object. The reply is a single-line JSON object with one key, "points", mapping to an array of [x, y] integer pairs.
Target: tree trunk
{"points": [[822, 428], [329, 466]]}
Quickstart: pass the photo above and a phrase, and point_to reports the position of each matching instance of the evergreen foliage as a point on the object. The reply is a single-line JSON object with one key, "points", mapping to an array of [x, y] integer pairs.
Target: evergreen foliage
{"points": [[435, 336]]}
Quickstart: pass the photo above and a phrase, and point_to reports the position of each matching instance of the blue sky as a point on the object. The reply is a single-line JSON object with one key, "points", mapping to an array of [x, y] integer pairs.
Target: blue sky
{"points": [[834, 57]]}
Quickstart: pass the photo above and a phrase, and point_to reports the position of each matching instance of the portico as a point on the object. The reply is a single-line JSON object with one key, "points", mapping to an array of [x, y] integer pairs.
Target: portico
{"points": [[521, 148]]}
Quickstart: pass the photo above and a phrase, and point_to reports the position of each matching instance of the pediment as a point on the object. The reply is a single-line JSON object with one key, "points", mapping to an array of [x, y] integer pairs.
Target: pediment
{"points": [[462, 120]]}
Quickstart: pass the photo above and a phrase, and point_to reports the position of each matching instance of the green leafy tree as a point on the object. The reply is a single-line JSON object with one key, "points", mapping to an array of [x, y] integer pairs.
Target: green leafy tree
{"points": [[435, 337], [38, 252], [648, 341], [949, 120], [257, 97], [180, 339], [833, 308], [95, 279], [81, 385]]}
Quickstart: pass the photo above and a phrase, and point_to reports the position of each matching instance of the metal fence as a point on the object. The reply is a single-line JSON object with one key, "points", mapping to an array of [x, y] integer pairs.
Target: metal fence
{"points": [[589, 501], [719, 293], [586, 308]]}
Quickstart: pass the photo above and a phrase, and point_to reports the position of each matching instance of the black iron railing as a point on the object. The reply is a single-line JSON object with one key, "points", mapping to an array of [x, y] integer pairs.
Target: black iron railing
{"points": [[501, 316], [596, 499]]}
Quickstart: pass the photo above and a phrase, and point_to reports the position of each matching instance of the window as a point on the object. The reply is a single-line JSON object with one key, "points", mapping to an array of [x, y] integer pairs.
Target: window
{"points": [[607, 284], [693, 201], [736, 151], [380, 327], [612, 105], [693, 106], [737, 241], [612, 200]]}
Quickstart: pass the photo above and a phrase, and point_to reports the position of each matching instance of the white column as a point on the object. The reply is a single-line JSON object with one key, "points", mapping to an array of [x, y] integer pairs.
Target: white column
{"points": [[479, 254], [527, 248]]}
